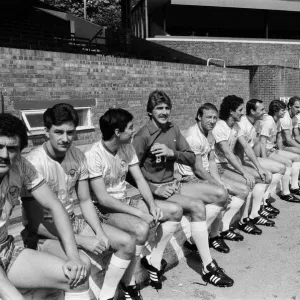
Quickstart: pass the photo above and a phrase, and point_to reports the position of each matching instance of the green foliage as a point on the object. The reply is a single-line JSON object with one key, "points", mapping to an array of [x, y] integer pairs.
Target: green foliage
{"points": [[102, 12]]}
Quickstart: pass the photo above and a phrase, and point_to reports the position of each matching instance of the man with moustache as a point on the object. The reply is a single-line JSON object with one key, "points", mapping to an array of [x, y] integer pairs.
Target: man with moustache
{"points": [[159, 145]]}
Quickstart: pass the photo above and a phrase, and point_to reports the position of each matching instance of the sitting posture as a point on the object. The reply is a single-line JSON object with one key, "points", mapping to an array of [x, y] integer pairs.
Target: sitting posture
{"points": [[65, 170], [109, 161], [26, 268], [159, 145]]}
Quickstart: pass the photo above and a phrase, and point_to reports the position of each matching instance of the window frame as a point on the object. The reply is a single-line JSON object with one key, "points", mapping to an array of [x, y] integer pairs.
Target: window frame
{"points": [[40, 130]]}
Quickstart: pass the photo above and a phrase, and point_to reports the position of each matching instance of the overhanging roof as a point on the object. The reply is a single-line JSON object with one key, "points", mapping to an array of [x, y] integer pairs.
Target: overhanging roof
{"points": [[287, 5]]}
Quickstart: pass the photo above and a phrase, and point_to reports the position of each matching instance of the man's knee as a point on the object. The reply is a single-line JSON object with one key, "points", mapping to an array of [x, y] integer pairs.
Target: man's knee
{"points": [[281, 169], [221, 196], [244, 192], [174, 212], [128, 244], [141, 232], [198, 209]]}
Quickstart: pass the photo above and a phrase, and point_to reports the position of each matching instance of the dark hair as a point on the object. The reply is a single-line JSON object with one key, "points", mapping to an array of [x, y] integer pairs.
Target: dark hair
{"points": [[205, 106], [292, 100], [229, 103], [114, 118], [276, 106], [59, 114], [157, 97], [11, 126], [251, 104]]}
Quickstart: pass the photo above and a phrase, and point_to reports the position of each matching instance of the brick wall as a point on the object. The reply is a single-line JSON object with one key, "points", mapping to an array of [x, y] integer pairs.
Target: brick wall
{"points": [[273, 82], [27, 75], [238, 51]]}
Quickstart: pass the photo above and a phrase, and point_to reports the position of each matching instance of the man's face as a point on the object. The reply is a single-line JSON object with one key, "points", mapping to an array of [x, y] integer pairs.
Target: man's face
{"points": [[9, 152], [208, 119], [61, 137], [160, 114], [236, 115], [281, 113], [295, 109], [127, 135], [259, 112]]}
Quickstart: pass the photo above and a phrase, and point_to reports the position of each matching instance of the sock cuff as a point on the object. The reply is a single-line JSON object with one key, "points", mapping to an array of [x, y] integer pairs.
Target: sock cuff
{"points": [[139, 249], [77, 296], [236, 201], [198, 226], [170, 225], [119, 262], [213, 208]]}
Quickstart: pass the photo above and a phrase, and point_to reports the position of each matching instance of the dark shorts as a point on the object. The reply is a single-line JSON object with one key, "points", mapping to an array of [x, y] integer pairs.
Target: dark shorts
{"points": [[192, 179], [9, 253], [105, 214]]}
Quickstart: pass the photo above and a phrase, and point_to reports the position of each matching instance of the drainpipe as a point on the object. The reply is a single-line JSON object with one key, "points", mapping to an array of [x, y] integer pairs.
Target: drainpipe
{"points": [[2, 103], [146, 19]]}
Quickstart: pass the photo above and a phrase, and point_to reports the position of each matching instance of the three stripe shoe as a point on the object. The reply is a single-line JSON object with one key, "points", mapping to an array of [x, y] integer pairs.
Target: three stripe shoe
{"points": [[131, 292], [216, 276], [266, 213], [231, 235], [249, 227], [218, 244], [269, 207], [154, 274], [262, 221]]}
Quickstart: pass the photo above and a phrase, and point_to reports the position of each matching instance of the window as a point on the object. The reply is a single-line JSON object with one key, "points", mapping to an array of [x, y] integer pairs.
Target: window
{"points": [[33, 120]]}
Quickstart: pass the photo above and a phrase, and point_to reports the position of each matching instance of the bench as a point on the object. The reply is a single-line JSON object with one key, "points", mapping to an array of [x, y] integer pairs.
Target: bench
{"points": [[173, 253]]}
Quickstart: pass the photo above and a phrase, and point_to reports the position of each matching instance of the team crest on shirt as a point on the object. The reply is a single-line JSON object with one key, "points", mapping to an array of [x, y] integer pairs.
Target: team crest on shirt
{"points": [[72, 173], [13, 194], [123, 164]]}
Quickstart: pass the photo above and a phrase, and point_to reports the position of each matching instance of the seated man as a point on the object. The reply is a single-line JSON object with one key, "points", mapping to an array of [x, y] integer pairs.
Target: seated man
{"points": [[289, 124], [270, 140], [65, 170], [25, 268], [202, 142], [249, 125], [159, 145], [109, 160], [227, 133]]}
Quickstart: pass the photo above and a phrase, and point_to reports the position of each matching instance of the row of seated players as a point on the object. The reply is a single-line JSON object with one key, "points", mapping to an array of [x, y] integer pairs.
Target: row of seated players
{"points": [[217, 179]]}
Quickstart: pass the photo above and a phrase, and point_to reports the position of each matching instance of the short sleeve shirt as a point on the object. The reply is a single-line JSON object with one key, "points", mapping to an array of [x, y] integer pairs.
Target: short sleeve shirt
{"points": [[200, 145], [61, 176], [21, 174], [296, 120], [250, 131], [269, 128], [222, 132], [288, 123], [112, 167]]}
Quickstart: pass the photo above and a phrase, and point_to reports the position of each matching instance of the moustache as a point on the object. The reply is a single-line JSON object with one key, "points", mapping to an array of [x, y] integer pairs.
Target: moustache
{"points": [[4, 161]]}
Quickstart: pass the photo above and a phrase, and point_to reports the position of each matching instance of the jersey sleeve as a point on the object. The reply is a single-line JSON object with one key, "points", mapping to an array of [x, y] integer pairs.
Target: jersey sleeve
{"points": [[295, 121], [84, 172], [267, 127], [285, 122], [195, 145], [220, 134], [32, 179], [132, 157], [94, 164]]}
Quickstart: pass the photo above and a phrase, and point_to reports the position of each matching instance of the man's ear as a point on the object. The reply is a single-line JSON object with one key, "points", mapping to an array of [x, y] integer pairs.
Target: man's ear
{"points": [[117, 132], [46, 132]]}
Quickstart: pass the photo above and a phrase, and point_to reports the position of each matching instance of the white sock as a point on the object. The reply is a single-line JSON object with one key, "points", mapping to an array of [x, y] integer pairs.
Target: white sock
{"points": [[215, 226], [257, 194], [163, 234], [129, 278], [286, 181], [200, 237], [295, 175], [246, 207], [275, 179], [212, 212], [232, 208], [77, 296], [113, 275]]}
